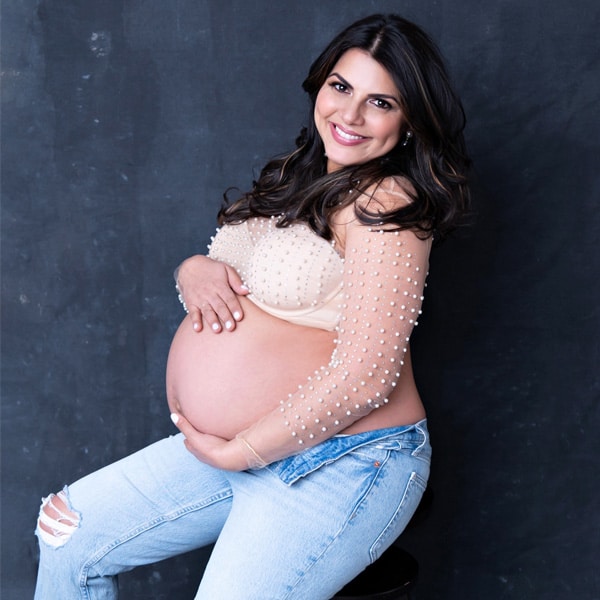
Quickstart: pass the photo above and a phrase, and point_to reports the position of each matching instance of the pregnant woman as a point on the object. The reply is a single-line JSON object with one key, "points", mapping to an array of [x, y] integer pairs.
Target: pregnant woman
{"points": [[303, 447]]}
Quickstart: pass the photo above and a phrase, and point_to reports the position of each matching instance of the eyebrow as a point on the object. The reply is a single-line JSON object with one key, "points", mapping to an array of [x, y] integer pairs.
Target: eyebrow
{"points": [[349, 85]]}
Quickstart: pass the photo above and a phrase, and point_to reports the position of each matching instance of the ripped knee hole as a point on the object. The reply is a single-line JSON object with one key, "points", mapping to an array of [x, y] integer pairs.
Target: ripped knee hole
{"points": [[57, 521]]}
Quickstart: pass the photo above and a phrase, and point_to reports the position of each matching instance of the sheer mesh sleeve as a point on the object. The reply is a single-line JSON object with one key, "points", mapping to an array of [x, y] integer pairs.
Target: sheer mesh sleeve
{"points": [[384, 279]]}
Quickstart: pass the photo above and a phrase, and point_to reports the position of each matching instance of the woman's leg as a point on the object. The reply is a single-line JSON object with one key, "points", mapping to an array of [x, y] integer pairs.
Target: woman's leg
{"points": [[156, 503], [305, 541]]}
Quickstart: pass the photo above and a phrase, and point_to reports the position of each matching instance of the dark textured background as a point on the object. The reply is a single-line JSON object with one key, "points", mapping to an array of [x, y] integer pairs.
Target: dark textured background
{"points": [[122, 124]]}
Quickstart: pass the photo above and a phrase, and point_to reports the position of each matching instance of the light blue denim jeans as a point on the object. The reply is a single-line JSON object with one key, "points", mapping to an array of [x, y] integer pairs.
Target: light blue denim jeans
{"points": [[298, 529]]}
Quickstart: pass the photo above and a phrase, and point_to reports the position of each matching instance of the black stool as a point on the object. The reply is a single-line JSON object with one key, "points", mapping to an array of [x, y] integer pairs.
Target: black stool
{"points": [[391, 577]]}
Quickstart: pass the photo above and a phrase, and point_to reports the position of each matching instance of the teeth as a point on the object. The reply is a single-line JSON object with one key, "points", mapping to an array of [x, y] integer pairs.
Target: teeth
{"points": [[347, 136]]}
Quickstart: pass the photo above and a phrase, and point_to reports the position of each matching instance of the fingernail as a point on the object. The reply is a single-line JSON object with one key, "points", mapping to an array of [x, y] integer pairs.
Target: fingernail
{"points": [[237, 316], [215, 327], [245, 287], [175, 418], [228, 324], [196, 326]]}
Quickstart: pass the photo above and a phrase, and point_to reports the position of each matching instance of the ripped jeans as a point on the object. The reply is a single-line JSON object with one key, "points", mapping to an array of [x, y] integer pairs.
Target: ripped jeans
{"points": [[299, 529]]}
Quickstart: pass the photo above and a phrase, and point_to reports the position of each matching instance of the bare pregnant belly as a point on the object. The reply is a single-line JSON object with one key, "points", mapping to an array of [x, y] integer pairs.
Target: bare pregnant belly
{"points": [[224, 382]]}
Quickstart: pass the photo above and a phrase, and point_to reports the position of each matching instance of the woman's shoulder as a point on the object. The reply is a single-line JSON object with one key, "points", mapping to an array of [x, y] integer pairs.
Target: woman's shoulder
{"points": [[376, 201], [388, 194]]}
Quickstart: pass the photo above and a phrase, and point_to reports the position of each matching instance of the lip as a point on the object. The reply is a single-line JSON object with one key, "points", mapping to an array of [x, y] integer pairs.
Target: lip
{"points": [[354, 140]]}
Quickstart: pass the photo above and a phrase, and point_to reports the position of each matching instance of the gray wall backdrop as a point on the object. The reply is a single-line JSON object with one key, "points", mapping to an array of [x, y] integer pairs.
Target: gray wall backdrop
{"points": [[123, 121]]}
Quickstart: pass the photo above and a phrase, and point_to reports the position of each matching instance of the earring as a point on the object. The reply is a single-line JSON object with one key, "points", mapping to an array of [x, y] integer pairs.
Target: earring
{"points": [[409, 135]]}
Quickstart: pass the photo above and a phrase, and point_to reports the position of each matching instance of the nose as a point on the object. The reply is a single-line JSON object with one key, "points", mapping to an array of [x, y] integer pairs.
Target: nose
{"points": [[351, 113]]}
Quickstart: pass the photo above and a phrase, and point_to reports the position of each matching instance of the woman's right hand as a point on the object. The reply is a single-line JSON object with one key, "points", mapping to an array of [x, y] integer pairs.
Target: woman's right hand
{"points": [[210, 290]]}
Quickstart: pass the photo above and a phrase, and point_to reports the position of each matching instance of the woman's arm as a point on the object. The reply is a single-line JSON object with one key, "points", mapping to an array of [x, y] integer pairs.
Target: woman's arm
{"points": [[384, 278], [209, 291]]}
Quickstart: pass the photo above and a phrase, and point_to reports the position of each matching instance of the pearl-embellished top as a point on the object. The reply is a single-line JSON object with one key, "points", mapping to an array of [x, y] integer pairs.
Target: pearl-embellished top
{"points": [[379, 292], [292, 273]]}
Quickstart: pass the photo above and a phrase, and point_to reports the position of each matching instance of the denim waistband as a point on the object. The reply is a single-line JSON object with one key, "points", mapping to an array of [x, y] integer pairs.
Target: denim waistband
{"points": [[290, 469]]}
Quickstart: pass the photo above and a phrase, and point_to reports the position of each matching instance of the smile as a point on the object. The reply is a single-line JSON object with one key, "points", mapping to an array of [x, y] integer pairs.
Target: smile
{"points": [[347, 136], [343, 136]]}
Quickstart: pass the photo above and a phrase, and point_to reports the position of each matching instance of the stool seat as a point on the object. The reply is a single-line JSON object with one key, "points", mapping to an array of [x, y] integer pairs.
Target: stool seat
{"points": [[391, 577]]}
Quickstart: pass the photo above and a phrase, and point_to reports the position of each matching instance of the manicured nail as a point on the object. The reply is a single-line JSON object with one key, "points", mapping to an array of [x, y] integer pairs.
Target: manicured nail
{"points": [[237, 316], [245, 287], [228, 324], [174, 418], [216, 327], [196, 326]]}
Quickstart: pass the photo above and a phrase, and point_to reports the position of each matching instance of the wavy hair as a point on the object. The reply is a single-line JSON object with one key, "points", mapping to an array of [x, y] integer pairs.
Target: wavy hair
{"points": [[296, 186]]}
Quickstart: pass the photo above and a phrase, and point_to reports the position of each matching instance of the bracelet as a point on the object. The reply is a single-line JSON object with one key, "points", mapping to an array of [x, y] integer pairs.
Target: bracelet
{"points": [[180, 298], [260, 461]]}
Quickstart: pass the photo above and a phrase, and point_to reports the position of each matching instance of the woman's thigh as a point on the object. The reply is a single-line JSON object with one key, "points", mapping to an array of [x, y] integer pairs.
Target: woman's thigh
{"points": [[306, 540], [156, 503]]}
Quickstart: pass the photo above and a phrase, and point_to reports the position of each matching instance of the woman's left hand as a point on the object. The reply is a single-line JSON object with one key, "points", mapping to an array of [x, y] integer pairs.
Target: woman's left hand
{"points": [[211, 449]]}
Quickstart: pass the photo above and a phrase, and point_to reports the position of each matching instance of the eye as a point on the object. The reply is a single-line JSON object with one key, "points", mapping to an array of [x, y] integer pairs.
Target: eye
{"points": [[339, 86], [381, 103]]}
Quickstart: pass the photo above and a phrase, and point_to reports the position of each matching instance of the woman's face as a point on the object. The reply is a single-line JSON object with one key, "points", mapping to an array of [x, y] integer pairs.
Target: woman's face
{"points": [[357, 111]]}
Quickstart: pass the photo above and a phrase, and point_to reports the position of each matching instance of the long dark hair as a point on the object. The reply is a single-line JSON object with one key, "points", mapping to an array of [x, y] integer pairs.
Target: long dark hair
{"points": [[296, 186]]}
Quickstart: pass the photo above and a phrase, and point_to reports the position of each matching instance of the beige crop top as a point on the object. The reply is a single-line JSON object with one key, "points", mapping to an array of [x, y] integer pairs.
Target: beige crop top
{"points": [[292, 273], [379, 291]]}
